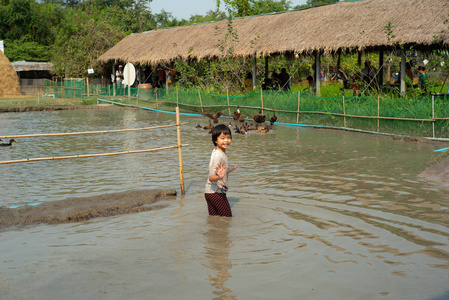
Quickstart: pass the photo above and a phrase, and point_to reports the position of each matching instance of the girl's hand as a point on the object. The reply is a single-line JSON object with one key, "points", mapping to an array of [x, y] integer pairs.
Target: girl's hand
{"points": [[233, 168], [220, 170]]}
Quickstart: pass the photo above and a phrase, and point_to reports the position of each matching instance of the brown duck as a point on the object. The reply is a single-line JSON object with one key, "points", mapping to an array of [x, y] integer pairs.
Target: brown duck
{"points": [[209, 126], [273, 118], [214, 117], [237, 114], [260, 118]]}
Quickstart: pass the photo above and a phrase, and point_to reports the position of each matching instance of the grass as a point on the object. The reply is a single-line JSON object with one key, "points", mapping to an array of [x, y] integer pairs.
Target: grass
{"points": [[32, 100]]}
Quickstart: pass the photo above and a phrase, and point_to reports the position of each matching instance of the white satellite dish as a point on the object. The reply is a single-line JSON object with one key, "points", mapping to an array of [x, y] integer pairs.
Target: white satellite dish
{"points": [[129, 74]]}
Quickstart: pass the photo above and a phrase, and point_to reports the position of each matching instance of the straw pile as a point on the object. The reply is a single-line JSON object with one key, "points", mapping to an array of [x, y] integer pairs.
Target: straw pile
{"points": [[9, 81]]}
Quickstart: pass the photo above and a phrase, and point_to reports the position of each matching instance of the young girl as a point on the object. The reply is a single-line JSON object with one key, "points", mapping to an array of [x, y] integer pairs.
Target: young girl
{"points": [[217, 183]]}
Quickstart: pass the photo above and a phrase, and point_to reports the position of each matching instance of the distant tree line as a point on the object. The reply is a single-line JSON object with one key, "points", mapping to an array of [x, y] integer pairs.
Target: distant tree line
{"points": [[72, 34]]}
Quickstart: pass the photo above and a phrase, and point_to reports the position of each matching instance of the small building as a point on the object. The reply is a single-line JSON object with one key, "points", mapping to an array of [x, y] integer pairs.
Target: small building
{"points": [[32, 75]]}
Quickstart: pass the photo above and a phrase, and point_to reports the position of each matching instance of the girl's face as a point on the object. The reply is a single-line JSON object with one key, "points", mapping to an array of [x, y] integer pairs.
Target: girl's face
{"points": [[223, 141]]}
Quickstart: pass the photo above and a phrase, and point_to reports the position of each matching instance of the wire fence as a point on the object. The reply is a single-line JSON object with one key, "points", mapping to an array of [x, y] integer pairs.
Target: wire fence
{"points": [[424, 117]]}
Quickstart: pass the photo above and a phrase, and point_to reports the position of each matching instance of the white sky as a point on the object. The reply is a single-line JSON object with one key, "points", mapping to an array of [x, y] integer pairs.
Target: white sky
{"points": [[183, 9]]}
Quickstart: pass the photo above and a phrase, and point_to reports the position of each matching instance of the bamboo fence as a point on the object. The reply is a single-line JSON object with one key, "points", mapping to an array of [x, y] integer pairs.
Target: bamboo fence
{"points": [[179, 146]]}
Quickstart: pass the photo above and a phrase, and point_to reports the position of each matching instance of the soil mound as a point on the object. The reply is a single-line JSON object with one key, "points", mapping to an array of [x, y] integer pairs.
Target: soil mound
{"points": [[9, 81], [80, 209], [438, 171]]}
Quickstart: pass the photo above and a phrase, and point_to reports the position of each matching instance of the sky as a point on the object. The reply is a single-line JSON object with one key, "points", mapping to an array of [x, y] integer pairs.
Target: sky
{"points": [[183, 9]]}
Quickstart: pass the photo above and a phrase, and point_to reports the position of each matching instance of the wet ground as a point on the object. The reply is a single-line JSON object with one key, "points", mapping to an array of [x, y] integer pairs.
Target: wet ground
{"points": [[318, 214]]}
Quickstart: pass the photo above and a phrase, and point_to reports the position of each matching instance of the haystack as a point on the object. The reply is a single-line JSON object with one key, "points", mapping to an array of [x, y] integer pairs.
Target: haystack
{"points": [[9, 81]]}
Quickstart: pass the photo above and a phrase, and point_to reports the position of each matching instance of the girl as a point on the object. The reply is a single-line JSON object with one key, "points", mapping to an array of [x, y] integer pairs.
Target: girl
{"points": [[217, 183]]}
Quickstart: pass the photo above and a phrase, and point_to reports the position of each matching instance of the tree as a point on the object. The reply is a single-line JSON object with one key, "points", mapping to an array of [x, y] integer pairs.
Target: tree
{"points": [[79, 42], [242, 8], [314, 3]]}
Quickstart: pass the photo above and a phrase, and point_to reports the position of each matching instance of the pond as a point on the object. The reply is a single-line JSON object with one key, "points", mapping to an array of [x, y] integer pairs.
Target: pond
{"points": [[318, 214]]}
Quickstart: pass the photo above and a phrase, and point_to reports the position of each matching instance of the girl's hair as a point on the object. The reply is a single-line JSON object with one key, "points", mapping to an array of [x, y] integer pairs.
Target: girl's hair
{"points": [[219, 129]]}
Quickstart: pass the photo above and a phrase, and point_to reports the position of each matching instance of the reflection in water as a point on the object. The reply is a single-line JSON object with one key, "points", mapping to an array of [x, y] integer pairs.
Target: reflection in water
{"points": [[217, 247]]}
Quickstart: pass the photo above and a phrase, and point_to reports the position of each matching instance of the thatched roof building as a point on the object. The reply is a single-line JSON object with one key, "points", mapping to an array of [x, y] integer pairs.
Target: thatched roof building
{"points": [[348, 26]]}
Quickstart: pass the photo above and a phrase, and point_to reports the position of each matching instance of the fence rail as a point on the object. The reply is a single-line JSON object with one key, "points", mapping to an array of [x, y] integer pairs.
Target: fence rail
{"points": [[179, 146]]}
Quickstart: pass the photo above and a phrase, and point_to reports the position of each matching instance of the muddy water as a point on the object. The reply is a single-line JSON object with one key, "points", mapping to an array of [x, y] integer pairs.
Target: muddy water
{"points": [[318, 214]]}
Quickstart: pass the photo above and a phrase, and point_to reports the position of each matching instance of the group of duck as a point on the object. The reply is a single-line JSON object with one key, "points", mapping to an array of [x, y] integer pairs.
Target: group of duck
{"points": [[7, 144], [244, 125]]}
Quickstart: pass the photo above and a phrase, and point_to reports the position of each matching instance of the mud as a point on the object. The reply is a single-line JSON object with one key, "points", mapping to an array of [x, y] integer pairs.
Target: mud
{"points": [[438, 171], [81, 209]]}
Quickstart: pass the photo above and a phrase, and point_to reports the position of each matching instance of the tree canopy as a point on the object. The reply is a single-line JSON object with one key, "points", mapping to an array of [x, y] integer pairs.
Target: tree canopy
{"points": [[73, 33]]}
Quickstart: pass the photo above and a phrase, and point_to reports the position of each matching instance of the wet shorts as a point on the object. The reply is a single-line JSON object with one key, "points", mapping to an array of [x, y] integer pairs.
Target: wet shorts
{"points": [[218, 205]]}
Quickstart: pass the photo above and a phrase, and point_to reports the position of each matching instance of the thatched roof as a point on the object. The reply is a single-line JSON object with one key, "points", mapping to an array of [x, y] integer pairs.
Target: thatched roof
{"points": [[352, 26]]}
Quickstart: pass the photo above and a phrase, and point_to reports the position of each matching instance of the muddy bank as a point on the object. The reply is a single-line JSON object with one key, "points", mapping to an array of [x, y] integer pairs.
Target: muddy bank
{"points": [[61, 107], [438, 171], [80, 209]]}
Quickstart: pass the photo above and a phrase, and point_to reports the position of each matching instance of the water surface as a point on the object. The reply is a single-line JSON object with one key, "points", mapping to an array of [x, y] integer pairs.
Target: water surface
{"points": [[318, 214]]}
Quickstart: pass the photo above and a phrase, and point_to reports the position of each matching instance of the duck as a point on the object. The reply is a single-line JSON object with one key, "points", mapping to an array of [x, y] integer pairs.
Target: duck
{"points": [[260, 118], [241, 130], [209, 126], [273, 119], [263, 128], [7, 144], [214, 117], [237, 114]]}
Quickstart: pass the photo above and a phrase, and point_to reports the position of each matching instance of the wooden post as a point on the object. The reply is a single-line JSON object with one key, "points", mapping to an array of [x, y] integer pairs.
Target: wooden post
{"points": [[254, 71], [227, 97], [378, 112], [381, 68], [433, 116], [87, 82], [201, 102], [178, 130], [299, 103], [266, 69], [157, 104], [403, 58], [113, 81], [317, 73]]}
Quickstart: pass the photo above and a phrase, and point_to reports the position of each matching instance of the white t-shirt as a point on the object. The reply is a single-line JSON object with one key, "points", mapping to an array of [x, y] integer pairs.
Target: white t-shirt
{"points": [[217, 158]]}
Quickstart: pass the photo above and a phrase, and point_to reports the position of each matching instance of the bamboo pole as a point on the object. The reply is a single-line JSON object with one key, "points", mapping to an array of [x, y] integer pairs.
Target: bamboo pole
{"points": [[177, 99], [88, 87], [261, 99], [344, 111], [157, 104], [227, 97], [178, 131], [378, 112], [433, 116], [201, 102], [299, 103], [89, 155], [88, 132]]}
